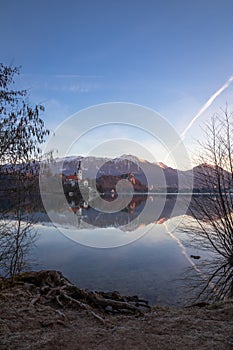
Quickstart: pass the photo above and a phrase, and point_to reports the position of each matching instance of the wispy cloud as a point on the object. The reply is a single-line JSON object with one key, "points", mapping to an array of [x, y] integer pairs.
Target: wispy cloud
{"points": [[76, 76], [69, 83]]}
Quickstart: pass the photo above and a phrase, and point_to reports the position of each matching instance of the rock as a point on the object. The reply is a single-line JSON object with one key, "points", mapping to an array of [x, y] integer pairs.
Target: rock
{"points": [[195, 257], [109, 309]]}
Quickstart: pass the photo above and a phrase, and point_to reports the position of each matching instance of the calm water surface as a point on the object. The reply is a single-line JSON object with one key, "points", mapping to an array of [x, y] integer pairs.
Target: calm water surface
{"points": [[145, 259]]}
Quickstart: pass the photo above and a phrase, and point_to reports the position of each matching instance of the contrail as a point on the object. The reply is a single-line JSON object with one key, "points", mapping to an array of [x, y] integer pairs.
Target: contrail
{"points": [[207, 105], [202, 110]]}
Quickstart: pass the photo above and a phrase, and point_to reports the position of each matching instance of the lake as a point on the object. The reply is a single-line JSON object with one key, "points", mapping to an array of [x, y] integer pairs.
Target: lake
{"points": [[134, 251]]}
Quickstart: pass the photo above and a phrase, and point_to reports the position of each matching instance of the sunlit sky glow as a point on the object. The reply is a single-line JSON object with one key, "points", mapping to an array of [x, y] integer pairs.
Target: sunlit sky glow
{"points": [[170, 55]]}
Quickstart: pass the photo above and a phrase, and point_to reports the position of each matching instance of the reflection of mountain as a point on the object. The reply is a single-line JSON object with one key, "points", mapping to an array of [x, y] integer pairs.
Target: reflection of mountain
{"points": [[140, 211], [143, 209]]}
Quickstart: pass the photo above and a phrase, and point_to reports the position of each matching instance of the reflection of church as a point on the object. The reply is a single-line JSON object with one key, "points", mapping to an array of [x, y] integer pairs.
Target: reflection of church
{"points": [[77, 205], [75, 188]]}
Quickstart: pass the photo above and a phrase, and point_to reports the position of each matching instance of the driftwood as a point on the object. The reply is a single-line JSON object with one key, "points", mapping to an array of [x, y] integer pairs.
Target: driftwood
{"points": [[52, 287]]}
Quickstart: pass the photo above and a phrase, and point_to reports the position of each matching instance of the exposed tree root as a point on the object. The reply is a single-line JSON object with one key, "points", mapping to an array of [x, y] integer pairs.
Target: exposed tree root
{"points": [[52, 287]]}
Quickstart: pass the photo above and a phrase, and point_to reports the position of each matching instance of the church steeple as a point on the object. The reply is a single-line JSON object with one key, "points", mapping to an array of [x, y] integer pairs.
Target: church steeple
{"points": [[79, 172]]}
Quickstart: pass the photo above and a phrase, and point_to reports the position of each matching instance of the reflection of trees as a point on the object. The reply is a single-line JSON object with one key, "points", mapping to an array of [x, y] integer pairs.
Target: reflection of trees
{"points": [[17, 238], [209, 281], [158, 210], [18, 204], [212, 227]]}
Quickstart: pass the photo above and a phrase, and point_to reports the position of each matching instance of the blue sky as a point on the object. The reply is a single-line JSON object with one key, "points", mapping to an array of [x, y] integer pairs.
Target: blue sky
{"points": [[169, 55]]}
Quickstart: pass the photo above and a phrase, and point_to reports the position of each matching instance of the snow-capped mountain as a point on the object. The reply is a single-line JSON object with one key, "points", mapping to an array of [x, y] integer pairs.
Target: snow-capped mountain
{"points": [[153, 175]]}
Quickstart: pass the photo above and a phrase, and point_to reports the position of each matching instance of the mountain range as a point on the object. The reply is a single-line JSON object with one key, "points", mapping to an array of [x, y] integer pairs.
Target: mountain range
{"points": [[155, 176]]}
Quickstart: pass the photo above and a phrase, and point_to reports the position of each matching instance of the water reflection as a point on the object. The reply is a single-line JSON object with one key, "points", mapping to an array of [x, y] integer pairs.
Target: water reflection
{"points": [[151, 267], [81, 213], [209, 230], [206, 280], [210, 281]]}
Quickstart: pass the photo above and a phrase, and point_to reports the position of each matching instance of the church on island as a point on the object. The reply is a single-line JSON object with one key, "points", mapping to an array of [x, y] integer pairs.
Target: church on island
{"points": [[76, 179]]}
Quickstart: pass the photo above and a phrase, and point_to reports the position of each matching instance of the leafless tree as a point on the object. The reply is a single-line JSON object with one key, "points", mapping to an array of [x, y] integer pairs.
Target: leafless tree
{"points": [[210, 225], [212, 208], [21, 132]]}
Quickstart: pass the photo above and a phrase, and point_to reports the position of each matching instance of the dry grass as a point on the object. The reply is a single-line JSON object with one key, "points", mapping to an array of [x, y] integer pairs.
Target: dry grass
{"points": [[26, 324]]}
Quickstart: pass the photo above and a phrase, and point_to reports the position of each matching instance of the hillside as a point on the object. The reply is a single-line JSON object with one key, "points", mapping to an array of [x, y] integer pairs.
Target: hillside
{"points": [[155, 176]]}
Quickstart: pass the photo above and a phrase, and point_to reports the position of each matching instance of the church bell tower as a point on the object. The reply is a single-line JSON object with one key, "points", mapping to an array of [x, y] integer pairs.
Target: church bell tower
{"points": [[79, 172]]}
